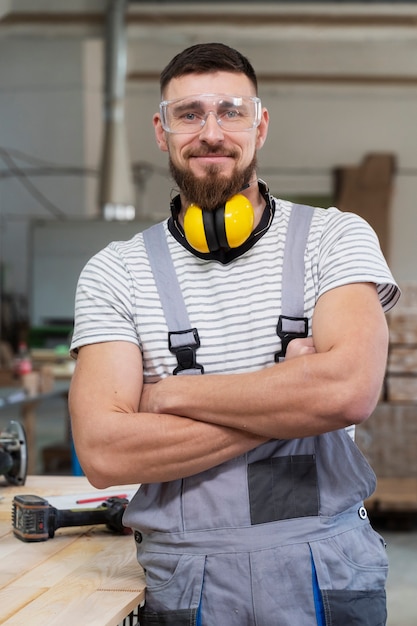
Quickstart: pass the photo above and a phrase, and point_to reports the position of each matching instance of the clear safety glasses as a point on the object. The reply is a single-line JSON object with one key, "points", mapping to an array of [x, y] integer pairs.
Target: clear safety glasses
{"points": [[232, 113]]}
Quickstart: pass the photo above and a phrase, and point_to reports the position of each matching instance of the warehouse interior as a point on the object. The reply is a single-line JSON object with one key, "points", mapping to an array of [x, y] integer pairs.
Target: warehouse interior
{"points": [[79, 167]]}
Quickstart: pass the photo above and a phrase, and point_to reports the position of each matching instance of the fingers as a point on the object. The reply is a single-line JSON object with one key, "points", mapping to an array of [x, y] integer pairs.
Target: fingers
{"points": [[300, 347]]}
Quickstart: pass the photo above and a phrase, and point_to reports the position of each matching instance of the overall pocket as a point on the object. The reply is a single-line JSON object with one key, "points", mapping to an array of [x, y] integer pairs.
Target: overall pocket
{"points": [[351, 571], [173, 589], [283, 487]]}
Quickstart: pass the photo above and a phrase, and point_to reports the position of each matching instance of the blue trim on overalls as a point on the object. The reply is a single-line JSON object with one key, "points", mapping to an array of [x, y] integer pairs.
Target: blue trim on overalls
{"points": [[318, 600]]}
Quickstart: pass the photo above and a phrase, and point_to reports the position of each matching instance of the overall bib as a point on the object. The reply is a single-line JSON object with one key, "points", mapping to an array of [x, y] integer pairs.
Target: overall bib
{"points": [[276, 537]]}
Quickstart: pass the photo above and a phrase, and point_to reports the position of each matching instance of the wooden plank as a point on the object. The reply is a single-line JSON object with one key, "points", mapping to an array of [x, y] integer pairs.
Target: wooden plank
{"points": [[388, 440], [367, 189], [13, 600], [76, 583], [402, 359], [19, 557], [402, 324], [102, 608], [83, 575], [394, 495], [408, 295], [402, 389], [99, 608]]}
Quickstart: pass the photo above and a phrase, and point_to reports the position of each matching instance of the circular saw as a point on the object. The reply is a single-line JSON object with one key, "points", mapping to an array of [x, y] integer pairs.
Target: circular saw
{"points": [[13, 454]]}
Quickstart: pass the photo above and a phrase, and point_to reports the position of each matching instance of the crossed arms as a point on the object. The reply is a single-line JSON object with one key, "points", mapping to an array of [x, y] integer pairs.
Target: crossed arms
{"points": [[126, 432]]}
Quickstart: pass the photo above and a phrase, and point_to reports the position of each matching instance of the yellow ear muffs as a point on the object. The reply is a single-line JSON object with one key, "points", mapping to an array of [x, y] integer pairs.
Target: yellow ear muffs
{"points": [[194, 230], [226, 227], [238, 220]]}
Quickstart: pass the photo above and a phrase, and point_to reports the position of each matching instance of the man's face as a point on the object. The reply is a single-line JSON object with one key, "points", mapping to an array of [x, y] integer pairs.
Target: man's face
{"points": [[211, 164]]}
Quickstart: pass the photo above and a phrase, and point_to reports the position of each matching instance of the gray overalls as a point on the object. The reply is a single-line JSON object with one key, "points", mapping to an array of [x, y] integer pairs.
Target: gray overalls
{"points": [[276, 537]]}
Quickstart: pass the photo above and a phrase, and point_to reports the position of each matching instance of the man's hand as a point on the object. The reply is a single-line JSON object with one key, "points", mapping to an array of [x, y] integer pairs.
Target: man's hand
{"points": [[145, 405], [300, 347]]}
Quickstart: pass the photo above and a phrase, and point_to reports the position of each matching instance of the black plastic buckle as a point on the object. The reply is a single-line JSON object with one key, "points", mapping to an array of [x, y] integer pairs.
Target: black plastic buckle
{"points": [[185, 352], [289, 328]]}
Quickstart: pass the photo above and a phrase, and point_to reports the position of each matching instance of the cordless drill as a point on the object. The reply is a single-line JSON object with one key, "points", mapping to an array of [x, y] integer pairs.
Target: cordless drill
{"points": [[34, 519]]}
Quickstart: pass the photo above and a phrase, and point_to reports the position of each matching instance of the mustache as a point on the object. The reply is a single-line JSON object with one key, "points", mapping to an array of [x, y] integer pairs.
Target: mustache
{"points": [[203, 151]]}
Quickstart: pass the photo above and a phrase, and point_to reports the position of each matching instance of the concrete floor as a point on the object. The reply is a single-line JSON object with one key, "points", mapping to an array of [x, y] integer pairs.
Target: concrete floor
{"points": [[401, 543]]}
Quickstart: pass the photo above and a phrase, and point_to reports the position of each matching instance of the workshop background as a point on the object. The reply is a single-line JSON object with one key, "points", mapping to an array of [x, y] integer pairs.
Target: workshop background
{"points": [[79, 167]]}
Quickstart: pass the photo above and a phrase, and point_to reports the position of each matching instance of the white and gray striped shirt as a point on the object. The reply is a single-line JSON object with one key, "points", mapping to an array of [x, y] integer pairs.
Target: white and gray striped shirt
{"points": [[235, 307]]}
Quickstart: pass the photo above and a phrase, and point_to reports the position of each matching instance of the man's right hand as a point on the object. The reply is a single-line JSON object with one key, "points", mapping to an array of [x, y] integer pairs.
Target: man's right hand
{"points": [[300, 347]]}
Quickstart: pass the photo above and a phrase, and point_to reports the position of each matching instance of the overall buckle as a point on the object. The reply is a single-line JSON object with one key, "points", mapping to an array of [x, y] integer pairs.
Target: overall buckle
{"points": [[184, 344], [289, 328]]}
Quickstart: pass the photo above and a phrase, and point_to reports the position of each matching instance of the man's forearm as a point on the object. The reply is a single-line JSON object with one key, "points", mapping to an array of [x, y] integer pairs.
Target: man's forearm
{"points": [[253, 403], [119, 443], [313, 391], [284, 401], [148, 448]]}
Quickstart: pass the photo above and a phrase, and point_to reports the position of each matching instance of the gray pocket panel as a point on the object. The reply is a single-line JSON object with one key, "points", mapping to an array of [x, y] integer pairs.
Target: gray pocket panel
{"points": [[186, 617], [354, 608], [283, 488]]}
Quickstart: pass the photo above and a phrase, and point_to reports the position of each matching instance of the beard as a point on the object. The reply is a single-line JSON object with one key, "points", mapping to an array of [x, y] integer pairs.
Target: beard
{"points": [[213, 190]]}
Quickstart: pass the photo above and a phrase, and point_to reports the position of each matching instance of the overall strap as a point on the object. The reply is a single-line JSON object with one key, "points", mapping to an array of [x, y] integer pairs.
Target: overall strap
{"points": [[292, 323], [183, 341]]}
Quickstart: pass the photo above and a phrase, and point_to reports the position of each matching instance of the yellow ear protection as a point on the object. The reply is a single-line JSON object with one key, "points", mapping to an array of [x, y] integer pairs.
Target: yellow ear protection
{"points": [[227, 227]]}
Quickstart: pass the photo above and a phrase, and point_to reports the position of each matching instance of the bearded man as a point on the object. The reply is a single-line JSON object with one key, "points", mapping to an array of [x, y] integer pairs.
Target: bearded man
{"points": [[224, 357]]}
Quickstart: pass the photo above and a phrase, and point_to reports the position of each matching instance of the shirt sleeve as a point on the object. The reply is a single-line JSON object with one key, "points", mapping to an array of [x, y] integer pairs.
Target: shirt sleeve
{"points": [[103, 302], [349, 252]]}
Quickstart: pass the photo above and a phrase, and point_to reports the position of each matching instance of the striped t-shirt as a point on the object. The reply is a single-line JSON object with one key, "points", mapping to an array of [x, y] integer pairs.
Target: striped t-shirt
{"points": [[235, 307]]}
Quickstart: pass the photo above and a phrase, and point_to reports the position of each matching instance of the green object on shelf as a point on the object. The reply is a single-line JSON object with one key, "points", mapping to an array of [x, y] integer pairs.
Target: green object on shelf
{"points": [[55, 336]]}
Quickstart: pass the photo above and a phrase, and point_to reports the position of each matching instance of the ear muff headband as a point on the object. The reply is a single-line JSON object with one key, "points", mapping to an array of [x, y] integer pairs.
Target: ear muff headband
{"points": [[226, 227], [210, 228]]}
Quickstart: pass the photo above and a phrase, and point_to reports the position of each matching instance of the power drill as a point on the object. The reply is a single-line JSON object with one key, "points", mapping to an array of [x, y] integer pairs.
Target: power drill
{"points": [[34, 519]]}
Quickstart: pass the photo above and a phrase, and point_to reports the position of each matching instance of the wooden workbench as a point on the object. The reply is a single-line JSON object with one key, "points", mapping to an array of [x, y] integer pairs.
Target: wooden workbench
{"points": [[84, 575]]}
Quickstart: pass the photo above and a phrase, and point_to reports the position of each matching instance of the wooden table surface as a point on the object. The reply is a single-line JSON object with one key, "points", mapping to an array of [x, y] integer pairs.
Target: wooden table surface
{"points": [[84, 575]]}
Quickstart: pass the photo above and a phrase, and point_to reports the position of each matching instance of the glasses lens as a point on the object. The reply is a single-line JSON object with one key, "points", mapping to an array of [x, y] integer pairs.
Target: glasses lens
{"points": [[188, 115]]}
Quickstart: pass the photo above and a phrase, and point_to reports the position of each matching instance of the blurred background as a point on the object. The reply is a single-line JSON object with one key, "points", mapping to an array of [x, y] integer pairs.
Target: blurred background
{"points": [[79, 85], [79, 167]]}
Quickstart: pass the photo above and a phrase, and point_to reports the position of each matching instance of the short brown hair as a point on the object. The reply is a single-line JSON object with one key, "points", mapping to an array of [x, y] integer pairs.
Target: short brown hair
{"points": [[204, 58]]}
